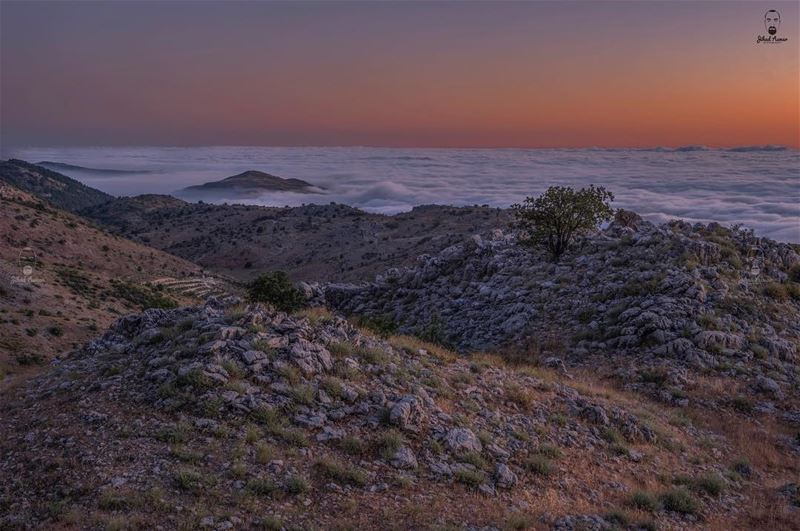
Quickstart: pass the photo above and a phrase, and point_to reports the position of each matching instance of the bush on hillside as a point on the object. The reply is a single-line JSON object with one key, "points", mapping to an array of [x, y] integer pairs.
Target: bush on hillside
{"points": [[382, 325], [553, 219], [276, 288], [794, 273]]}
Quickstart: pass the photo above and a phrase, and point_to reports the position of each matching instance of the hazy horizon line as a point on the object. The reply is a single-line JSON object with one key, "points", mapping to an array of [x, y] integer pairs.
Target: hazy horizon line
{"points": [[377, 146]]}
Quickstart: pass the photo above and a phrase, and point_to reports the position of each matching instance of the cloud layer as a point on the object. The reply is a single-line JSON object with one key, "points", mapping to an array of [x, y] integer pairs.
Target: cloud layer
{"points": [[758, 187]]}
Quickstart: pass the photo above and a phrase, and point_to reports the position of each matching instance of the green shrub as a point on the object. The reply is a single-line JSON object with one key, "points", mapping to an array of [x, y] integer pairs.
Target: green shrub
{"points": [[252, 434], [262, 487], [711, 484], [29, 359], [277, 289], [270, 523], [195, 378], [352, 445], [472, 478], [644, 501], [708, 322], [292, 436], [793, 290], [291, 373], [475, 459], [188, 479], [267, 416], [742, 404], [109, 501], [382, 325], [332, 386], [619, 518], [519, 395], [296, 485], [549, 450], [742, 468], [388, 443], [794, 273], [679, 501], [177, 433], [538, 464], [612, 435], [76, 281], [303, 394], [264, 453], [776, 291], [142, 296], [434, 332], [342, 349], [340, 471], [373, 356], [233, 369], [760, 352], [184, 454], [656, 375]]}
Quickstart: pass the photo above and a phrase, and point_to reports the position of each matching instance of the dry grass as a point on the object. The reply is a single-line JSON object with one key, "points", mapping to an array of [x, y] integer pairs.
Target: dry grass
{"points": [[486, 359], [714, 386], [315, 314], [759, 443], [519, 395], [413, 345], [761, 509]]}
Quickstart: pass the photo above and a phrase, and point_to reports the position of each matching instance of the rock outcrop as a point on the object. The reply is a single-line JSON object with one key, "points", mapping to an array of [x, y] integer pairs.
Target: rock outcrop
{"points": [[228, 401], [646, 297]]}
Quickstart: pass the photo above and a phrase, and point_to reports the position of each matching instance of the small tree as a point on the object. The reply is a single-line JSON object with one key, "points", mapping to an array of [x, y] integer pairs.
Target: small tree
{"points": [[554, 218], [277, 289]]}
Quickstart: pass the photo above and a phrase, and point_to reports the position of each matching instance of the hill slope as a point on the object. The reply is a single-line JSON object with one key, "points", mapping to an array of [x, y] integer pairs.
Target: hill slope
{"points": [[242, 417], [81, 279], [314, 242], [49, 185]]}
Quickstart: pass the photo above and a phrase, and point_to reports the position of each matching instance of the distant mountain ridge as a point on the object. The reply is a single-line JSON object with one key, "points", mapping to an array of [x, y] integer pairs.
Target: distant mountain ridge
{"points": [[58, 189], [62, 166], [252, 181]]}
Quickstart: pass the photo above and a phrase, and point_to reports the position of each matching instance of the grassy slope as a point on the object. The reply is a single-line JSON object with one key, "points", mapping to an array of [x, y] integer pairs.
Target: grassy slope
{"points": [[84, 278]]}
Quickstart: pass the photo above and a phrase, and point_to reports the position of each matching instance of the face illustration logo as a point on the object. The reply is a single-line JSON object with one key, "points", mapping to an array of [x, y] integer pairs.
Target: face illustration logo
{"points": [[772, 21]]}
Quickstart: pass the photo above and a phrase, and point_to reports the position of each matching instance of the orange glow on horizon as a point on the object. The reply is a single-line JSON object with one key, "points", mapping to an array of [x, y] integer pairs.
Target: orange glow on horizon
{"points": [[446, 75]]}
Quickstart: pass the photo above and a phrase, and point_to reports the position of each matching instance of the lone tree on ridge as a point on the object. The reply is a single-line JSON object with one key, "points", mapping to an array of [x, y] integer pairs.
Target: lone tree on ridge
{"points": [[554, 218]]}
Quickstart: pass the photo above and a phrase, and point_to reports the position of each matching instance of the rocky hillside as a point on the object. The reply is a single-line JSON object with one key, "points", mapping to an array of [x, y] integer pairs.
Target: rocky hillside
{"points": [[62, 280], [58, 189], [647, 302], [232, 417], [313, 242]]}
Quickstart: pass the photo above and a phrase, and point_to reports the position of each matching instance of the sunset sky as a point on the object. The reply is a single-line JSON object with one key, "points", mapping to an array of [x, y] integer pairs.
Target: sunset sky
{"points": [[537, 74]]}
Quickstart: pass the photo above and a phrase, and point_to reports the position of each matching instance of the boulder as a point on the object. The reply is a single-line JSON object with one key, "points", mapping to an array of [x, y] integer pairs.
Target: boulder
{"points": [[404, 458], [407, 413], [461, 441], [768, 386], [504, 477], [310, 357]]}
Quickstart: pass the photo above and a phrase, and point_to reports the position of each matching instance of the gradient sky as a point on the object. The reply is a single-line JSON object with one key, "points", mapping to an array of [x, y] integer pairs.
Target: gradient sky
{"points": [[536, 74]]}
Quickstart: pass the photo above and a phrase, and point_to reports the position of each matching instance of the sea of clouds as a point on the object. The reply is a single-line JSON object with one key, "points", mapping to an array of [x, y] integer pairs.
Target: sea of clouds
{"points": [[757, 186]]}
